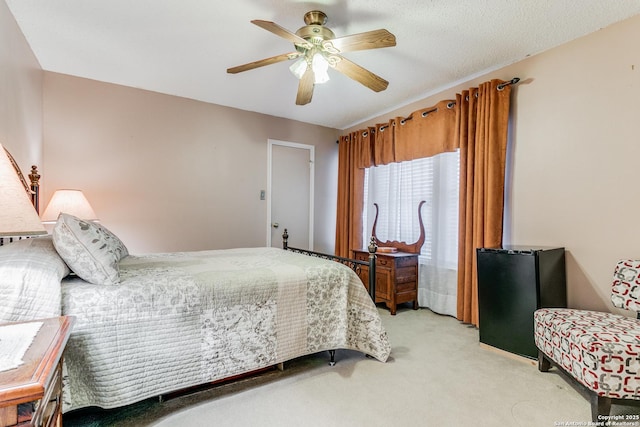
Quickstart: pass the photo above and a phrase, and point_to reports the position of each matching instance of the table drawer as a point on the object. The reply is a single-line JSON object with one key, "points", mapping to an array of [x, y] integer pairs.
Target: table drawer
{"points": [[406, 287], [406, 274], [384, 262], [407, 262], [360, 256]]}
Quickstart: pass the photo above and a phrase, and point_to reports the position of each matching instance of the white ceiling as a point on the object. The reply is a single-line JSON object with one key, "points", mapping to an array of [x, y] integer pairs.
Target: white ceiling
{"points": [[184, 47]]}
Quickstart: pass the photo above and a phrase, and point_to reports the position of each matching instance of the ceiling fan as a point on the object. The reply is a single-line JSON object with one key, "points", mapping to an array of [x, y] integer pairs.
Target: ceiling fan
{"points": [[317, 48]]}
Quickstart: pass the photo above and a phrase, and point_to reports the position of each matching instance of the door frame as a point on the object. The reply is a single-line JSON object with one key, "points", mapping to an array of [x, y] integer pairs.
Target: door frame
{"points": [[311, 148]]}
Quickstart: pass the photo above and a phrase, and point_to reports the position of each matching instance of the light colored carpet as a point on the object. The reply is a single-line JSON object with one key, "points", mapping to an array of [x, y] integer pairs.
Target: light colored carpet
{"points": [[438, 375]]}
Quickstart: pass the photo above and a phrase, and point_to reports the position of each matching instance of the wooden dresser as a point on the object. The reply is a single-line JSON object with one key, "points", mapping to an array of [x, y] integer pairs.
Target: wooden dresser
{"points": [[396, 277], [31, 395]]}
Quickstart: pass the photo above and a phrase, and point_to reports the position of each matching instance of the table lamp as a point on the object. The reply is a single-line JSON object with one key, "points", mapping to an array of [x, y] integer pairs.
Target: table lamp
{"points": [[18, 217], [72, 202]]}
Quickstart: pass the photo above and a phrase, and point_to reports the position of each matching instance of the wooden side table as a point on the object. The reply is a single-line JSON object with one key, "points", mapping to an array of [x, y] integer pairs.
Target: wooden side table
{"points": [[31, 395], [396, 277]]}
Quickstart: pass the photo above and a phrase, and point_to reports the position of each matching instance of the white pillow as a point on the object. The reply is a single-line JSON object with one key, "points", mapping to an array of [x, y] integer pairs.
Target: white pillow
{"points": [[30, 275], [89, 249]]}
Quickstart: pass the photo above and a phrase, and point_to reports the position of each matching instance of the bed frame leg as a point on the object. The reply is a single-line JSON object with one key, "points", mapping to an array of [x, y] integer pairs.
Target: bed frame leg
{"points": [[332, 354]]}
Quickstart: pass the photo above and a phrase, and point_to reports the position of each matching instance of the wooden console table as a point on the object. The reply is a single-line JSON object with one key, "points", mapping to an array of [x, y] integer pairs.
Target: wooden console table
{"points": [[31, 395], [396, 277]]}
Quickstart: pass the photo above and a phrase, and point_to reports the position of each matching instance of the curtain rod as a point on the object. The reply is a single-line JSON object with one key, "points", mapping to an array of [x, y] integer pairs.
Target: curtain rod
{"points": [[501, 86], [510, 82]]}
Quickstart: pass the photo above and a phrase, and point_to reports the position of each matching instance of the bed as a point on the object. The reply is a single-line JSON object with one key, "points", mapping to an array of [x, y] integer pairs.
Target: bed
{"points": [[151, 324]]}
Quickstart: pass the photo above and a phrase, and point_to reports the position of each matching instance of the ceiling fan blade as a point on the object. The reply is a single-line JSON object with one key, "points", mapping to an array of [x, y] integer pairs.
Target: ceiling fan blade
{"points": [[282, 32], [359, 74], [305, 87], [263, 62], [369, 40]]}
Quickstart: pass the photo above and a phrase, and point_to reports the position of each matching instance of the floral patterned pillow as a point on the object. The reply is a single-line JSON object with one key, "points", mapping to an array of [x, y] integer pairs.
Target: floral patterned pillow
{"points": [[89, 249]]}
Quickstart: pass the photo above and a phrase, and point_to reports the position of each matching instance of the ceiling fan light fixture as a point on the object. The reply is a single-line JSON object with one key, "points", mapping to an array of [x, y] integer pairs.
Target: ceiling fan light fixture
{"points": [[320, 65], [299, 67]]}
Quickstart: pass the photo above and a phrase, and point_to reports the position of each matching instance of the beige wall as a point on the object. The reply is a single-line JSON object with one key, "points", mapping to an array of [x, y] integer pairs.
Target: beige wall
{"points": [[574, 152], [167, 173], [20, 94]]}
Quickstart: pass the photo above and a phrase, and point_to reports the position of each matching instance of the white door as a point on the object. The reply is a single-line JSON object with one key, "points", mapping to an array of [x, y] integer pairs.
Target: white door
{"points": [[290, 194]]}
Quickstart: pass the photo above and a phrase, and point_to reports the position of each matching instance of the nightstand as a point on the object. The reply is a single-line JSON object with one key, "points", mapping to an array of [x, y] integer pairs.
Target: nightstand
{"points": [[396, 277], [31, 395]]}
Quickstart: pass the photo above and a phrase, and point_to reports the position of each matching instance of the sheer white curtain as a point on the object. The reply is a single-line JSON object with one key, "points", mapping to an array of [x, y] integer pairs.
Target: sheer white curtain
{"points": [[398, 188]]}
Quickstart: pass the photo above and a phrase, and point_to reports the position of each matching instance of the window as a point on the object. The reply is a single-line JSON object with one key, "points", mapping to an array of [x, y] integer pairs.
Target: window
{"points": [[398, 189]]}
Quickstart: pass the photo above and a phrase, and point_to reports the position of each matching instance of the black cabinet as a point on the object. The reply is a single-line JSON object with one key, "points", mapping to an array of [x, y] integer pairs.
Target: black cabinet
{"points": [[513, 282]]}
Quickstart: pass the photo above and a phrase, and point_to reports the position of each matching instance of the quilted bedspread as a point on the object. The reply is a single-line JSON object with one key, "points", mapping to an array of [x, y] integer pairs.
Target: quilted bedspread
{"points": [[181, 319]]}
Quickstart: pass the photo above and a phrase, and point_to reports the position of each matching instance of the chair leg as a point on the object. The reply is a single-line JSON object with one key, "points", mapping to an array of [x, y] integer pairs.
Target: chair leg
{"points": [[544, 364], [600, 407]]}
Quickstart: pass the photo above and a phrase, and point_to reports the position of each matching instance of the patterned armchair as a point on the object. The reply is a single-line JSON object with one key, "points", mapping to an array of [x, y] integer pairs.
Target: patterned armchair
{"points": [[599, 350]]}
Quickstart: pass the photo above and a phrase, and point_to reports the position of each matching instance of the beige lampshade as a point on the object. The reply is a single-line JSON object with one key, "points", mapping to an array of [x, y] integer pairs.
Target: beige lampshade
{"points": [[18, 217], [72, 202]]}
